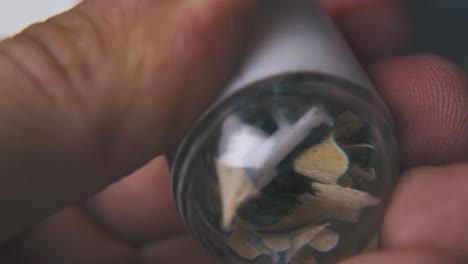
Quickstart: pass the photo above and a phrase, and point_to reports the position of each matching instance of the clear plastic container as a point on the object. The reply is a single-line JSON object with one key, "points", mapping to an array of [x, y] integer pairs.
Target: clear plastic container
{"points": [[297, 159]]}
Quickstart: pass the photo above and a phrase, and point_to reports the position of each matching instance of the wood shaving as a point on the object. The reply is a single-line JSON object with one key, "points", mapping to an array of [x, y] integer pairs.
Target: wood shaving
{"points": [[330, 202], [332, 198], [235, 189], [242, 242], [324, 162], [301, 238], [278, 242], [340, 202], [325, 241], [356, 171]]}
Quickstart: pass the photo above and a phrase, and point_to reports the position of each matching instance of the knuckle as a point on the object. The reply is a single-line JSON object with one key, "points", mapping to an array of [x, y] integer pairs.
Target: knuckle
{"points": [[51, 77]]}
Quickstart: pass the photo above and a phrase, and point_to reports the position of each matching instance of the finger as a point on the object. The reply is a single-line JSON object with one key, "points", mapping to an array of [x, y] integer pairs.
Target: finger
{"points": [[131, 209], [403, 257], [71, 237], [95, 93], [428, 97], [139, 208], [169, 251], [428, 211], [375, 29], [148, 195]]}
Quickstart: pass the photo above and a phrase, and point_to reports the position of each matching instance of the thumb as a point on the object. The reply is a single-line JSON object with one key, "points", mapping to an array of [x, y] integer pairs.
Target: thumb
{"points": [[92, 94]]}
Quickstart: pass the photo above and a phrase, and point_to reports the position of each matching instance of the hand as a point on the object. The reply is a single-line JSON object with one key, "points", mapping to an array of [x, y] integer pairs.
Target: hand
{"points": [[92, 95]]}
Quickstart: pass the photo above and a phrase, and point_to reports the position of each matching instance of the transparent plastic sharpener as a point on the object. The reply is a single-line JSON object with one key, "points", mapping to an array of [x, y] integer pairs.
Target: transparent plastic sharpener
{"points": [[296, 161]]}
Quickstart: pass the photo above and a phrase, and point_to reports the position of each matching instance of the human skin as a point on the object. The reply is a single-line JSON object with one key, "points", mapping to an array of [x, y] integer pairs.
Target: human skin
{"points": [[94, 94]]}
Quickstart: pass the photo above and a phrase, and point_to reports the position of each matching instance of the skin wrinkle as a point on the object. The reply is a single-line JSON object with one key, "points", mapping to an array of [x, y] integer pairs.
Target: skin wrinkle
{"points": [[17, 63], [74, 143], [114, 82], [90, 37], [425, 117], [78, 23], [58, 55], [192, 71], [438, 116], [460, 106], [433, 97], [17, 108], [69, 45], [55, 83], [12, 101], [79, 30], [451, 102], [56, 63], [412, 129], [58, 82]]}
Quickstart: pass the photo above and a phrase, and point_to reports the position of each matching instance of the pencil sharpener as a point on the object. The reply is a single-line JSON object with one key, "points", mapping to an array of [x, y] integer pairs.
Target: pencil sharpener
{"points": [[296, 161]]}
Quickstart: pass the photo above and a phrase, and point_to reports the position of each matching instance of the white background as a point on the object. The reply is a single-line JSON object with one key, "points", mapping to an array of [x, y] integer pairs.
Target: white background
{"points": [[18, 14]]}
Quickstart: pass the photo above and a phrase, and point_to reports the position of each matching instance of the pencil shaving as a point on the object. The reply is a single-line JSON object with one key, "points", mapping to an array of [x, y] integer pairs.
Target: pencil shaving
{"points": [[280, 242], [317, 236], [277, 242], [357, 172], [324, 162], [301, 238], [330, 202], [243, 171], [240, 240], [340, 202], [236, 189], [325, 241]]}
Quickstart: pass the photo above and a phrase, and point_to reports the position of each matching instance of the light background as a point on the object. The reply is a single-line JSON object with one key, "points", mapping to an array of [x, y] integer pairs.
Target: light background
{"points": [[18, 14]]}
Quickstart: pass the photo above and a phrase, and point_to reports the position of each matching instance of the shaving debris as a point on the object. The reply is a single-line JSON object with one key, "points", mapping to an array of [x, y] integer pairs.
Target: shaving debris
{"points": [[340, 202], [236, 189], [301, 238], [324, 162], [293, 219], [358, 172], [325, 241], [249, 157], [318, 237], [243, 243], [330, 202]]}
